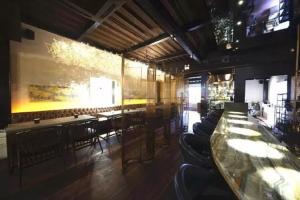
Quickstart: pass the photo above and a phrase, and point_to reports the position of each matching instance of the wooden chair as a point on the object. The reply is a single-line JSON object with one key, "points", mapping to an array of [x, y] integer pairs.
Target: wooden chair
{"points": [[37, 146]]}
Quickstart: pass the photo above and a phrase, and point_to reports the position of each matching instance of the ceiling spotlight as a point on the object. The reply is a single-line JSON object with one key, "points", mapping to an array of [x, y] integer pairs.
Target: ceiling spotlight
{"points": [[239, 23], [228, 46], [186, 67], [241, 2], [292, 50], [237, 41], [236, 48]]}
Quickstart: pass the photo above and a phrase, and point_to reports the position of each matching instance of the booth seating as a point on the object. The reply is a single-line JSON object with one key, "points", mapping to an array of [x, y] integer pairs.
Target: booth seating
{"points": [[51, 114], [194, 182]]}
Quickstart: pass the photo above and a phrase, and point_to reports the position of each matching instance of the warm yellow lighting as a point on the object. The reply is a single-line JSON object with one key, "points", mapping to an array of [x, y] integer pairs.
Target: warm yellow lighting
{"points": [[238, 116], [255, 148], [236, 113], [45, 105], [134, 101], [284, 181], [243, 131], [237, 121]]}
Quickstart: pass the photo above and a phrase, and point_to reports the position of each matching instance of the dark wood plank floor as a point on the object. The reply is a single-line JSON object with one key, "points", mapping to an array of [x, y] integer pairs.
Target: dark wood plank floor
{"points": [[96, 176]]}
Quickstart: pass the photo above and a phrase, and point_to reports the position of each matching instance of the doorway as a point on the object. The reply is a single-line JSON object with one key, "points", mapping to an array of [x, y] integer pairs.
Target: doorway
{"points": [[193, 94]]}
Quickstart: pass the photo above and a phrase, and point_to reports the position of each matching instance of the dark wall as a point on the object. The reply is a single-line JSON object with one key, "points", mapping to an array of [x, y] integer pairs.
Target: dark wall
{"points": [[259, 72], [10, 29]]}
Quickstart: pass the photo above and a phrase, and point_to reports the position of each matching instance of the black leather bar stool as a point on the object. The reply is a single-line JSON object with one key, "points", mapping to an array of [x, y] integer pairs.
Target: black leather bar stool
{"points": [[198, 130], [196, 150], [194, 182], [204, 126]]}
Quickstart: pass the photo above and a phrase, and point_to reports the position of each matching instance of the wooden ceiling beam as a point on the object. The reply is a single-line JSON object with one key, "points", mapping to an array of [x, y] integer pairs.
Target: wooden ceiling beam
{"points": [[109, 7], [159, 13], [177, 55], [196, 25], [150, 42]]}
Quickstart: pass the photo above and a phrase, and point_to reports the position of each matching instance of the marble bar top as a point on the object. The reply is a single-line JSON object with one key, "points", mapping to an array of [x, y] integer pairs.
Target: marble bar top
{"points": [[253, 162]]}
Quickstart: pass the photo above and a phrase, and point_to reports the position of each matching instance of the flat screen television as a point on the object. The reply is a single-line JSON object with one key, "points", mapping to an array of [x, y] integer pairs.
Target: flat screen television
{"points": [[266, 16]]}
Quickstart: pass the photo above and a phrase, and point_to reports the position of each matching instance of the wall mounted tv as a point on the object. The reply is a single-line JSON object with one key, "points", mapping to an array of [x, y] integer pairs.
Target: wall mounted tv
{"points": [[266, 16]]}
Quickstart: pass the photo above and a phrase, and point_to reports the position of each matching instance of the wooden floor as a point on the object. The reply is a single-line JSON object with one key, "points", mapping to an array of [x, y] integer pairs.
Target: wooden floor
{"points": [[96, 176]]}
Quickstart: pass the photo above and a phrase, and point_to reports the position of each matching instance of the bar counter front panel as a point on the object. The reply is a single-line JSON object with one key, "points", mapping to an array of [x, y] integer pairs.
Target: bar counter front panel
{"points": [[252, 161]]}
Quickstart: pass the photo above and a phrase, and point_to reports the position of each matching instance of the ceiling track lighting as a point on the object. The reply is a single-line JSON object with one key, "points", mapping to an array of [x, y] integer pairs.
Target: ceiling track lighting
{"points": [[239, 23]]}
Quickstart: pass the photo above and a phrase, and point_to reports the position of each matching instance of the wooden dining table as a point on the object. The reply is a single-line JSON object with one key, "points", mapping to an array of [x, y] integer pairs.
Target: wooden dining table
{"points": [[252, 161], [13, 129]]}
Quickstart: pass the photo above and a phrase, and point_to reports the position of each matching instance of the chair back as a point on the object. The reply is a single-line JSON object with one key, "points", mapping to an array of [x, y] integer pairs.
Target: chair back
{"points": [[196, 150], [78, 131], [38, 145], [190, 181], [105, 126]]}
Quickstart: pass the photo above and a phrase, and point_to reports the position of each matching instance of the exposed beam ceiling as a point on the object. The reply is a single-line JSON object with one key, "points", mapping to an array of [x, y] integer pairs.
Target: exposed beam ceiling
{"points": [[196, 25], [158, 12], [77, 9], [150, 42], [177, 55], [163, 37], [109, 7]]}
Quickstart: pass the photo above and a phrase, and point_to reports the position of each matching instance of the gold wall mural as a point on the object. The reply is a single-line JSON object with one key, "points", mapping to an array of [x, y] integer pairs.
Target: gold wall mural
{"points": [[49, 93], [52, 72]]}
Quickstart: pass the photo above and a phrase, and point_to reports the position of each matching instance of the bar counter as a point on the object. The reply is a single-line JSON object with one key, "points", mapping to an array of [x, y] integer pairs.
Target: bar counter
{"points": [[252, 161]]}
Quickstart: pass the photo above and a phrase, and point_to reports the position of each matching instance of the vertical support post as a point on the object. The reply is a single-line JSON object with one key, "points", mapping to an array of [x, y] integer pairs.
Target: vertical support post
{"points": [[297, 62], [123, 119], [5, 101], [296, 73]]}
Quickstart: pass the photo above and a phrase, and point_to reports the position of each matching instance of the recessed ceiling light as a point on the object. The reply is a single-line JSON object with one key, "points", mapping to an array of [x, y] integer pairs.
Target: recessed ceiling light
{"points": [[239, 23], [237, 41], [292, 50], [241, 2], [186, 67], [236, 48], [228, 46]]}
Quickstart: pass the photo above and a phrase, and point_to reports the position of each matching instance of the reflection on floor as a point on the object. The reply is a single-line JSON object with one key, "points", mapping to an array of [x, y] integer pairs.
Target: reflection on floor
{"points": [[97, 176], [191, 117]]}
